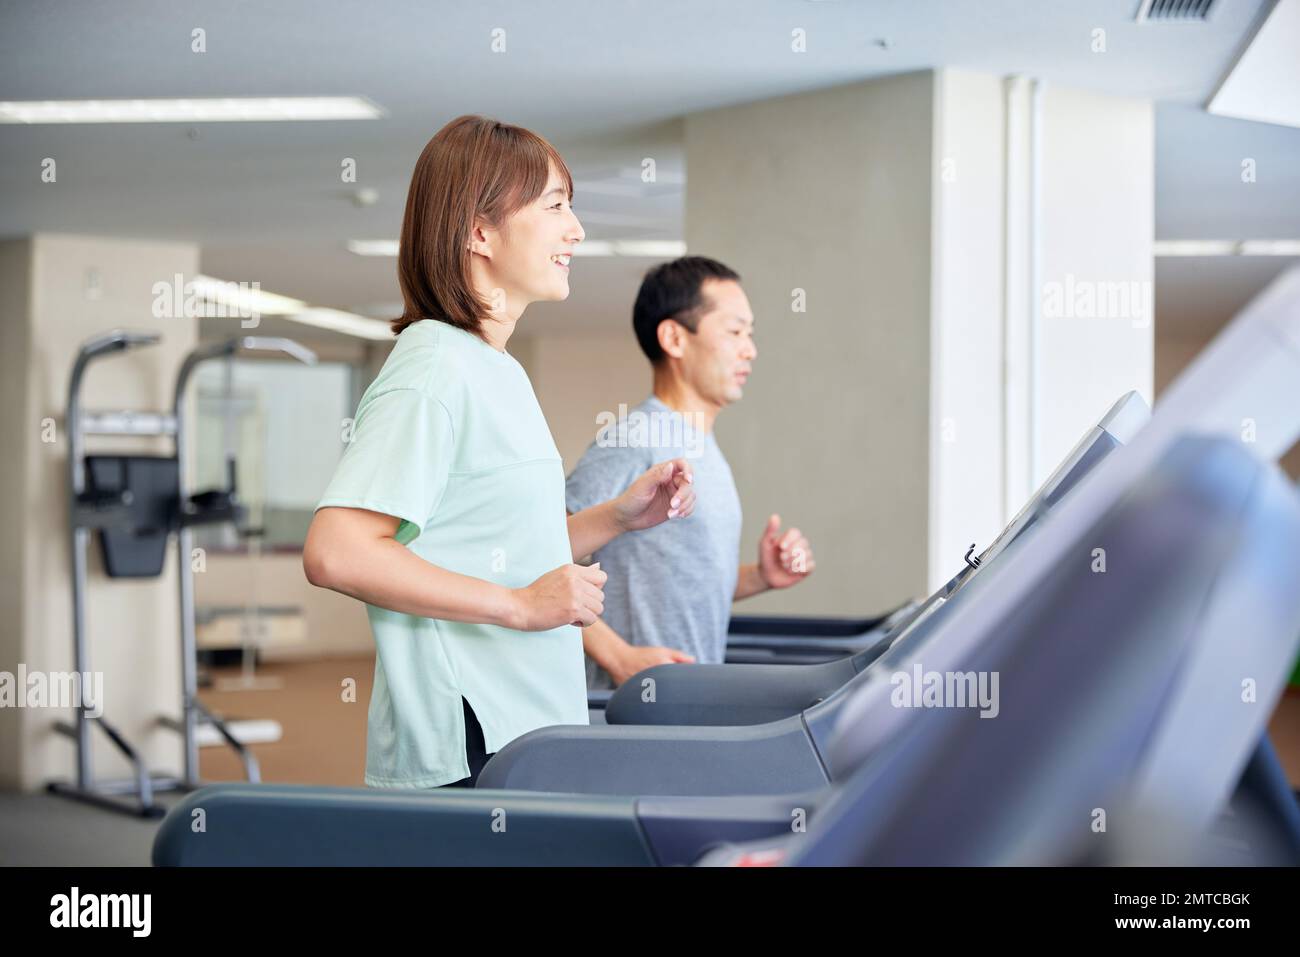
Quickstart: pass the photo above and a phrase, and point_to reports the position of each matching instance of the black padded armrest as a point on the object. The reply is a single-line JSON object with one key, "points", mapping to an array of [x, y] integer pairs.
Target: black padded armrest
{"points": [[723, 695], [287, 825], [776, 758]]}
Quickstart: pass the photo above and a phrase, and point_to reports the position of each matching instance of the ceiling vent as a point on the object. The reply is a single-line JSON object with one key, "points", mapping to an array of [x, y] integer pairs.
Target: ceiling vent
{"points": [[1174, 11]]}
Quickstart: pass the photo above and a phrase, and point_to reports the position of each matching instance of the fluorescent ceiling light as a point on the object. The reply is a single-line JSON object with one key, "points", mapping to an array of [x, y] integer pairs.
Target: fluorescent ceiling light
{"points": [[650, 248], [1195, 247], [228, 299], [193, 110], [1262, 86], [594, 247], [666, 248], [243, 298], [1227, 247], [1270, 247], [336, 320], [373, 247]]}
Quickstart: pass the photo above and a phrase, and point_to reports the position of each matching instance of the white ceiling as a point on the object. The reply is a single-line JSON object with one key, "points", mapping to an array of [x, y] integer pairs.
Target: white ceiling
{"points": [[606, 83]]}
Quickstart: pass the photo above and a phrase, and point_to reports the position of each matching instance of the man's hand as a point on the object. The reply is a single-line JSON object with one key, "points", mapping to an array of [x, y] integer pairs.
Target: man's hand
{"points": [[636, 659], [783, 559], [662, 493]]}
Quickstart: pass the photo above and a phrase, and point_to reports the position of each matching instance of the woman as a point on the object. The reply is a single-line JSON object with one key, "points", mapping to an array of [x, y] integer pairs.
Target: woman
{"points": [[446, 514]]}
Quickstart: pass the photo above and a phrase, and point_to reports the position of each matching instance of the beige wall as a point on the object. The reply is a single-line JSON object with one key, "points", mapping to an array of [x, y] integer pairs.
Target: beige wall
{"points": [[132, 625], [829, 192], [16, 431], [578, 376]]}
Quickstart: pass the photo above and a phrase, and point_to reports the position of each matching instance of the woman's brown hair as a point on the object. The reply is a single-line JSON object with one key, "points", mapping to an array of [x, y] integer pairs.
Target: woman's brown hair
{"points": [[474, 168]]}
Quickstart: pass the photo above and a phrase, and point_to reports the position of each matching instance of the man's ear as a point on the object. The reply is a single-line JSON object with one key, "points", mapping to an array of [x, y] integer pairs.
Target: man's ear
{"points": [[671, 335]]}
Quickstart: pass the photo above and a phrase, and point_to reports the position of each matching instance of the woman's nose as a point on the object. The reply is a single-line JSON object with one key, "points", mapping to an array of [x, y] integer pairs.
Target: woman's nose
{"points": [[576, 234]]}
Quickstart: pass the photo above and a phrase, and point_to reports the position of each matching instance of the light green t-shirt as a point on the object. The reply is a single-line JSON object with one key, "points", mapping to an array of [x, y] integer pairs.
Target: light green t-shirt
{"points": [[450, 439]]}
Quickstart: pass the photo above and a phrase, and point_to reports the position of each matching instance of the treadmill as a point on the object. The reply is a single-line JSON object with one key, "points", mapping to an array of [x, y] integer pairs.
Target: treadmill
{"points": [[1207, 537], [805, 639], [729, 695], [1121, 736], [1113, 697]]}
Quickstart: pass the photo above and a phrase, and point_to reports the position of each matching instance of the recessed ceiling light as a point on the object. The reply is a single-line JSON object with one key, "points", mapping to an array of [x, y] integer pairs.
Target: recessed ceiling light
{"points": [[193, 110]]}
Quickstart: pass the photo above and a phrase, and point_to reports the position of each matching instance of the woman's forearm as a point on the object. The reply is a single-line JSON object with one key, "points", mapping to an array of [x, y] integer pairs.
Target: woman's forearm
{"points": [[593, 528], [389, 575]]}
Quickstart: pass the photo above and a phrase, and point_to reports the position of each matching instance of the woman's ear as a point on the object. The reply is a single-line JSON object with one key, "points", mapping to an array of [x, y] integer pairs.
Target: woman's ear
{"points": [[481, 239]]}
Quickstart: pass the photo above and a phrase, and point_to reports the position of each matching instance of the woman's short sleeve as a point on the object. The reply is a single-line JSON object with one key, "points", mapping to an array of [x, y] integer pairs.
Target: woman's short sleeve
{"points": [[397, 461]]}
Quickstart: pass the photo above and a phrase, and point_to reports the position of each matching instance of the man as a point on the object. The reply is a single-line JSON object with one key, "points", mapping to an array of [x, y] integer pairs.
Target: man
{"points": [[669, 591]]}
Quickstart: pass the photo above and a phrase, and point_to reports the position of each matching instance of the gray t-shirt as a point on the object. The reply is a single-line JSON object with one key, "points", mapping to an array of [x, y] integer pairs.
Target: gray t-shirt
{"points": [[672, 585]]}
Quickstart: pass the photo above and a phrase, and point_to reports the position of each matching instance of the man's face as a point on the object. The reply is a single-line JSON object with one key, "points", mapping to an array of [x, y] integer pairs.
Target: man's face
{"points": [[717, 359]]}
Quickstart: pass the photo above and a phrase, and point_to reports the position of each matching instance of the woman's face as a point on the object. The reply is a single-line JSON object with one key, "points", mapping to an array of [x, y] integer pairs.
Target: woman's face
{"points": [[528, 259]]}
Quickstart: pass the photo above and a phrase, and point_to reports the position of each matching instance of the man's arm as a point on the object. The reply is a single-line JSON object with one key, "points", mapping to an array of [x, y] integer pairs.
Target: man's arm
{"points": [[604, 646], [750, 582]]}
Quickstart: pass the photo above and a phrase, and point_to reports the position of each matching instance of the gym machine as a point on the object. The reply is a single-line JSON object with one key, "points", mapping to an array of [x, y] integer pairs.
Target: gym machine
{"points": [[136, 503]]}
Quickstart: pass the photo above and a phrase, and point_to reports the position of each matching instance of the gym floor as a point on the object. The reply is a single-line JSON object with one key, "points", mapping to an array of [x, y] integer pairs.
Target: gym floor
{"points": [[323, 742]]}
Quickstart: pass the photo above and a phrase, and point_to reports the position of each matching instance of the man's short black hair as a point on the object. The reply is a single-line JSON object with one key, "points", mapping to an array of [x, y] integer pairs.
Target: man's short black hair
{"points": [[671, 290]]}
